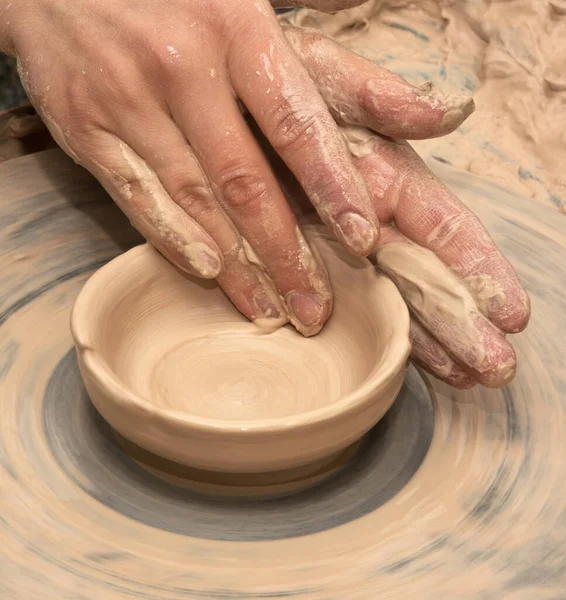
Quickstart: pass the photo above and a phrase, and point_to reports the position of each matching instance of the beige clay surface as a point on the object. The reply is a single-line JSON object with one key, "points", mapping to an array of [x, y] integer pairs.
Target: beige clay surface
{"points": [[457, 495], [174, 367]]}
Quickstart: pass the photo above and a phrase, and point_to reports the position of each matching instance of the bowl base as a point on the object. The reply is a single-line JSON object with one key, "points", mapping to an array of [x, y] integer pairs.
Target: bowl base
{"points": [[273, 484]]}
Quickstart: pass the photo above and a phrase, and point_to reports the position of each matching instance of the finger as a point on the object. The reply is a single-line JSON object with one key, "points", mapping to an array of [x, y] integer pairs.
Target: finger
{"points": [[249, 193], [444, 306], [431, 356], [359, 92], [139, 193], [429, 214], [167, 152], [284, 101]]}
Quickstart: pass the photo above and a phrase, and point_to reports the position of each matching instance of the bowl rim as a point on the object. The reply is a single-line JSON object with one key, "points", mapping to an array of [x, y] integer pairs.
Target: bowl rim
{"points": [[391, 363]]}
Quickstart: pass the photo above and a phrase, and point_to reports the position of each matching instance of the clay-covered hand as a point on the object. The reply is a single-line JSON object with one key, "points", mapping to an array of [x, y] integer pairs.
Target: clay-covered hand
{"points": [[464, 296], [146, 95]]}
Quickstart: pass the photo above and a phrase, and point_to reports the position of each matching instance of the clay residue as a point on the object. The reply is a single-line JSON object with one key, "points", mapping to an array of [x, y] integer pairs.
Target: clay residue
{"points": [[446, 307], [509, 55], [487, 292], [360, 141], [267, 325], [434, 293]]}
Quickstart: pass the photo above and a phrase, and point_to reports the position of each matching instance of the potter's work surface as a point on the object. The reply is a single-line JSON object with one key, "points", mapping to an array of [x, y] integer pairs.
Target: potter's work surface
{"points": [[454, 495]]}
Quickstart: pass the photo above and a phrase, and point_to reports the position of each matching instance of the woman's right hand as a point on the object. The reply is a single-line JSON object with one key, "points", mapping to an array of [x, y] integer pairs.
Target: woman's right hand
{"points": [[147, 95]]}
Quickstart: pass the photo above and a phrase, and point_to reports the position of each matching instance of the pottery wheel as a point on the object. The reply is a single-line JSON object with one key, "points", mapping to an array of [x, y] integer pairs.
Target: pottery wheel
{"points": [[452, 495]]}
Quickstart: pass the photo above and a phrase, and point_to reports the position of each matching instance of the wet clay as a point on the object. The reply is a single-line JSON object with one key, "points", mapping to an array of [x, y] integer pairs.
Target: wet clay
{"points": [[174, 367], [480, 514], [434, 293], [268, 485], [509, 55]]}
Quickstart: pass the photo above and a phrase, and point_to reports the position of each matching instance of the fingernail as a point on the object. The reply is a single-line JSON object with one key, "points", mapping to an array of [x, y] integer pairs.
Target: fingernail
{"points": [[306, 312], [205, 261], [357, 233]]}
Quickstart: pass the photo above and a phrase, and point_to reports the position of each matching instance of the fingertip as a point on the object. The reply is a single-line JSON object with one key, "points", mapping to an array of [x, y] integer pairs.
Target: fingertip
{"points": [[457, 110], [427, 112], [446, 111], [205, 261], [502, 366], [516, 318], [522, 315], [502, 298], [307, 312], [500, 377], [357, 233]]}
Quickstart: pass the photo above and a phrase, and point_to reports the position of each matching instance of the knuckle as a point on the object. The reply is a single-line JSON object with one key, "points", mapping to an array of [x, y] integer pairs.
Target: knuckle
{"points": [[172, 60], [450, 228], [241, 187], [194, 198], [119, 94], [294, 123], [86, 107], [237, 23], [170, 64]]}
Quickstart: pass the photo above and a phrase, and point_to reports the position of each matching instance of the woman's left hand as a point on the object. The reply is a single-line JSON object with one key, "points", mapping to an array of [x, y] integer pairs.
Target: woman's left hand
{"points": [[464, 296]]}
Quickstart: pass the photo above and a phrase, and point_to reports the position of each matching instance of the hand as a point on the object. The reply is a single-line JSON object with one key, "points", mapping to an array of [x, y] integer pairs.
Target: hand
{"points": [[464, 296], [144, 94], [356, 91]]}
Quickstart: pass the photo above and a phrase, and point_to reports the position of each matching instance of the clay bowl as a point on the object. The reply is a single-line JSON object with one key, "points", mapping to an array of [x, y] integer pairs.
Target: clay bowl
{"points": [[180, 374]]}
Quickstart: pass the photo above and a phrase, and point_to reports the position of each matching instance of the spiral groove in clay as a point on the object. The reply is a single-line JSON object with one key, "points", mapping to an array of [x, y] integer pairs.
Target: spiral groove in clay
{"points": [[458, 495]]}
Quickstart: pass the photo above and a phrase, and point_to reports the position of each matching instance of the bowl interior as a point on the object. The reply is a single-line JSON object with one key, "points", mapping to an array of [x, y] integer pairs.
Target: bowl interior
{"points": [[178, 343]]}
